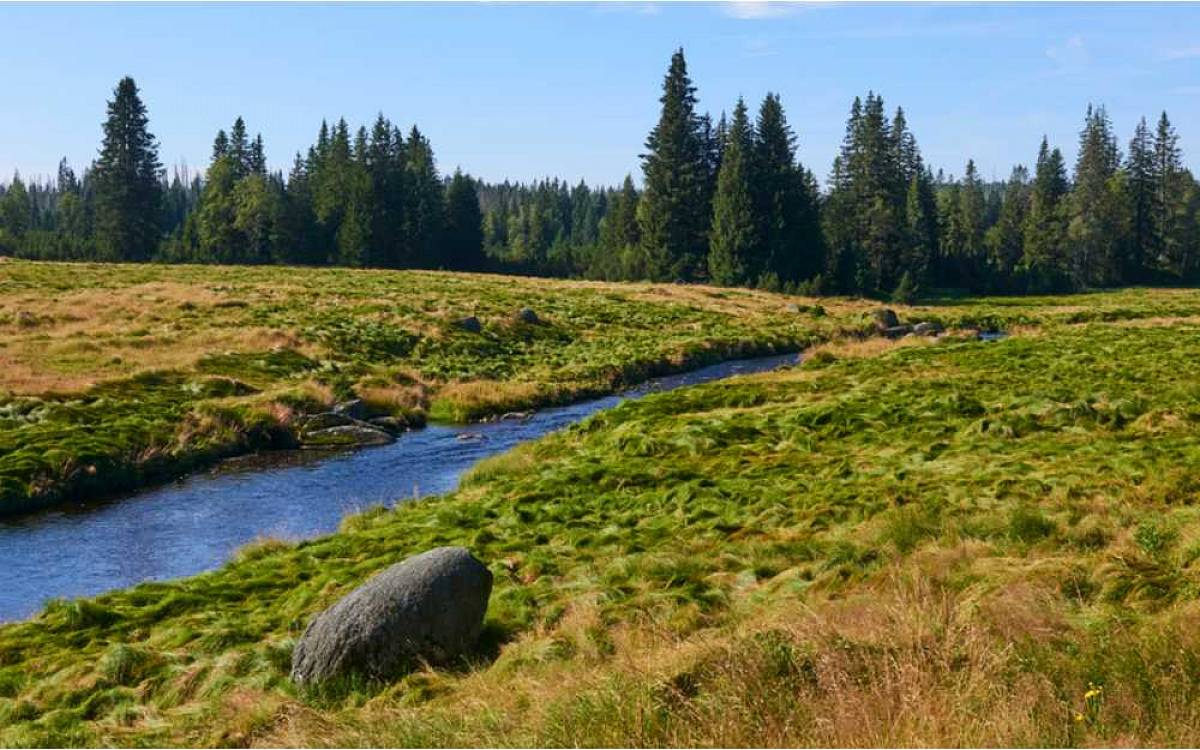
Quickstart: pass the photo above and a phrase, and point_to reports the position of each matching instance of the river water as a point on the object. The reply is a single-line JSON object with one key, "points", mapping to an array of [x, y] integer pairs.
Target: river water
{"points": [[194, 524]]}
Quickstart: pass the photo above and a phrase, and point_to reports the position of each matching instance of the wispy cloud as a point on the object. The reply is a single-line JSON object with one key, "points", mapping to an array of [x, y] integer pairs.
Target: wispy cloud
{"points": [[1071, 54], [754, 10], [640, 9], [1180, 53], [899, 31], [758, 46]]}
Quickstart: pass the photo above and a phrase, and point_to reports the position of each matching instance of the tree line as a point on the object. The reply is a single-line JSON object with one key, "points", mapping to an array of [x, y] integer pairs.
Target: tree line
{"points": [[725, 202]]}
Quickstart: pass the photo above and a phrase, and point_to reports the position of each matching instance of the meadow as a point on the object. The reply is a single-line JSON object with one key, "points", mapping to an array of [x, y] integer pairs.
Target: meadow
{"points": [[116, 376], [914, 542]]}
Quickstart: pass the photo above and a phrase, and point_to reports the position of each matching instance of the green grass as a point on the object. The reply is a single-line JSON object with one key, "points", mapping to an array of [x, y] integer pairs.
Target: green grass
{"points": [[935, 544], [129, 374], [116, 376]]}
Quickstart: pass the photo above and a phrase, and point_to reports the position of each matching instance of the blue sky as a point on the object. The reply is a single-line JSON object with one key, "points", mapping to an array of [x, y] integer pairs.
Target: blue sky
{"points": [[522, 91]]}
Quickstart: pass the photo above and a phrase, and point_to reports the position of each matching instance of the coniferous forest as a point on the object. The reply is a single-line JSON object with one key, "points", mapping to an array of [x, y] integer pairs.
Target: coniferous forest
{"points": [[722, 200]]}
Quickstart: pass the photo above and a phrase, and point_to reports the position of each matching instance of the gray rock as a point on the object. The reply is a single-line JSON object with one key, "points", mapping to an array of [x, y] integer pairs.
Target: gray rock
{"points": [[896, 332], [526, 315], [792, 307], [927, 329], [470, 324], [429, 607], [324, 421], [885, 319], [354, 408], [359, 434], [394, 425], [516, 416]]}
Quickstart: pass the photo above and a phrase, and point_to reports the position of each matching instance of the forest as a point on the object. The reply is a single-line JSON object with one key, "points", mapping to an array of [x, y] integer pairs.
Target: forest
{"points": [[722, 200]]}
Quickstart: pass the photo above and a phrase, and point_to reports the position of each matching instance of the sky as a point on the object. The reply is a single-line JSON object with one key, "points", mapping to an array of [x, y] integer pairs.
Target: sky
{"points": [[522, 91]]}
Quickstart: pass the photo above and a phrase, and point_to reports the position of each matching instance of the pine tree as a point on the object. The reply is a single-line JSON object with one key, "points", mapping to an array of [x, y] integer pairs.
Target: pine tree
{"points": [[16, 211], [673, 212], [1094, 230], [1006, 238], [785, 205], [257, 160], [424, 211], [239, 149], [463, 244], [1045, 259], [220, 146], [618, 255], [299, 240], [127, 179], [1143, 179], [735, 237], [1170, 222]]}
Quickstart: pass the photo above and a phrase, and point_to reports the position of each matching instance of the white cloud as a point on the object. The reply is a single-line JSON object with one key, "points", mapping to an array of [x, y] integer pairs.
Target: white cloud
{"points": [[1072, 53], [753, 10]]}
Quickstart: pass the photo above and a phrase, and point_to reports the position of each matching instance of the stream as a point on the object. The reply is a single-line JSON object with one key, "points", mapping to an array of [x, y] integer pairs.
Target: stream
{"points": [[196, 523]]}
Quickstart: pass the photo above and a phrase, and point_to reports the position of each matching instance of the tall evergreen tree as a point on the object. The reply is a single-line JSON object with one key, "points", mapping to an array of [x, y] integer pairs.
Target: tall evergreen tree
{"points": [[127, 178], [1006, 238], [674, 211], [1095, 228], [1143, 180], [789, 244], [16, 211], [463, 244], [1045, 259], [424, 211], [735, 239], [619, 255]]}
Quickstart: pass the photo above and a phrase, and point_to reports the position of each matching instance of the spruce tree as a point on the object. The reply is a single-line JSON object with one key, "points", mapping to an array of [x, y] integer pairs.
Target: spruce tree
{"points": [[618, 256], [1170, 220], [1006, 238], [735, 237], [128, 192], [16, 211], [789, 244], [1045, 259], [1095, 232], [239, 148], [1143, 179], [463, 244], [424, 209], [673, 212]]}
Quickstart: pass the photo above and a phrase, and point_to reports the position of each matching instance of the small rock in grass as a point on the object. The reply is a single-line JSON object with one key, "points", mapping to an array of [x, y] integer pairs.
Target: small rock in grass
{"points": [[526, 315], [427, 608], [470, 324], [927, 329]]}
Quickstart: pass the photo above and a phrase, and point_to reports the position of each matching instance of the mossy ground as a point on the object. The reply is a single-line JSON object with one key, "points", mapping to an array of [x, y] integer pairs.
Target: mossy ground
{"points": [[927, 543]]}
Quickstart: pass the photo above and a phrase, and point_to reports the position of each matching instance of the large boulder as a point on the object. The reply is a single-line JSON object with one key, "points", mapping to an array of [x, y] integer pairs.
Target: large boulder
{"points": [[886, 318], [427, 608]]}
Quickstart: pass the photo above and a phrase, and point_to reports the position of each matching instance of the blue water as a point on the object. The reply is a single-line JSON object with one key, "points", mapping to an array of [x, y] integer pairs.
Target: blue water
{"points": [[194, 524]]}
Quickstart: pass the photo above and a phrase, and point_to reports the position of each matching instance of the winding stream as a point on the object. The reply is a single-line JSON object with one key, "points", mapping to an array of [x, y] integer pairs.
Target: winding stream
{"points": [[194, 524]]}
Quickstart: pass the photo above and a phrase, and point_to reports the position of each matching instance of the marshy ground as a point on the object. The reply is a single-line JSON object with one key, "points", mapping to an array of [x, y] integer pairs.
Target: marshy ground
{"points": [[925, 542]]}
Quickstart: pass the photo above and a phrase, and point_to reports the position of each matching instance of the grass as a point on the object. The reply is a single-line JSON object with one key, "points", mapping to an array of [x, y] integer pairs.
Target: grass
{"points": [[114, 376], [926, 543]]}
